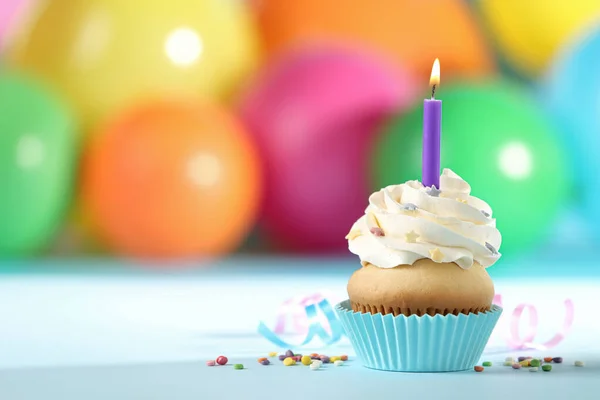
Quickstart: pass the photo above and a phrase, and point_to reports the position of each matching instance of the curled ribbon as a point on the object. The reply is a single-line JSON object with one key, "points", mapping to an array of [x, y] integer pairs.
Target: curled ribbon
{"points": [[527, 342], [315, 327]]}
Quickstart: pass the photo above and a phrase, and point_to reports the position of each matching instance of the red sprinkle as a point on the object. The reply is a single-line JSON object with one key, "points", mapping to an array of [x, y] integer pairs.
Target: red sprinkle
{"points": [[222, 360], [478, 368], [210, 363], [344, 358], [377, 231], [547, 359]]}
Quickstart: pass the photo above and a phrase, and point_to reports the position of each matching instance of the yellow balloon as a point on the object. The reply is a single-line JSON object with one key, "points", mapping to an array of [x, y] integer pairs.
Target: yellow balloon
{"points": [[105, 54], [530, 32]]}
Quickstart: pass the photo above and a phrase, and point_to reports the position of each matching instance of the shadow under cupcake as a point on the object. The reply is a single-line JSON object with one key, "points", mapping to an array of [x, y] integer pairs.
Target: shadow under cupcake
{"points": [[422, 301]]}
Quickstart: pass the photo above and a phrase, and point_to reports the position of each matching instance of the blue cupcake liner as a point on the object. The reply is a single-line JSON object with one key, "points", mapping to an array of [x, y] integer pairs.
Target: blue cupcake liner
{"points": [[418, 344]]}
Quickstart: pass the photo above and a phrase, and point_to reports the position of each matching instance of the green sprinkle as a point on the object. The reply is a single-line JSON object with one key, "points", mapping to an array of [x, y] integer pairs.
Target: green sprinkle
{"points": [[238, 366], [534, 363], [487, 364], [547, 367]]}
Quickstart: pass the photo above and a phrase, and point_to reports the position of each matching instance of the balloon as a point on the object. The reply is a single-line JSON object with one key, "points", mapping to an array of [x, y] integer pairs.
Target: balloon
{"points": [[172, 179], [412, 33], [37, 161], [9, 9], [106, 54], [498, 140], [312, 114], [529, 33], [571, 95]]}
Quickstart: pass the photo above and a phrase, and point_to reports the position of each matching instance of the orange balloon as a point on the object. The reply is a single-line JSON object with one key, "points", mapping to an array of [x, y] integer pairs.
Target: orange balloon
{"points": [[172, 179], [413, 33]]}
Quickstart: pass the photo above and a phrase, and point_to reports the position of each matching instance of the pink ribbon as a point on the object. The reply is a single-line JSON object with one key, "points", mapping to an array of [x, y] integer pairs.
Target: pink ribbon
{"points": [[515, 340], [293, 310]]}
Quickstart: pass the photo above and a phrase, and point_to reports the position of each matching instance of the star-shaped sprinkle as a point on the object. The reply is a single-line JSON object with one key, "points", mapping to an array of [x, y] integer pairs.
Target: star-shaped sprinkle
{"points": [[377, 231], [436, 255], [461, 200], [353, 234], [433, 191], [485, 213], [491, 248], [409, 207], [411, 237]]}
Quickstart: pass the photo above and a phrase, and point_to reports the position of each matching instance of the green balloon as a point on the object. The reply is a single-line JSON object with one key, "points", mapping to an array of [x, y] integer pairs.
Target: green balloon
{"points": [[497, 139], [37, 164]]}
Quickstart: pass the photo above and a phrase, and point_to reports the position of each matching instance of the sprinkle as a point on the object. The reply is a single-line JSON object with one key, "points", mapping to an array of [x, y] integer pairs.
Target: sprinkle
{"points": [[533, 369], [325, 359], [238, 366], [478, 368], [211, 363], [487, 364], [273, 354], [521, 358], [579, 363], [318, 362], [412, 236], [334, 359], [436, 255], [306, 360], [315, 366], [289, 361], [461, 200], [409, 207], [344, 357], [491, 248], [261, 359], [485, 213], [222, 360], [509, 359], [265, 362], [377, 231], [524, 363], [557, 360], [314, 355], [289, 353], [433, 191], [281, 357], [547, 367], [338, 363], [548, 359], [516, 366], [508, 363], [534, 363], [296, 358]]}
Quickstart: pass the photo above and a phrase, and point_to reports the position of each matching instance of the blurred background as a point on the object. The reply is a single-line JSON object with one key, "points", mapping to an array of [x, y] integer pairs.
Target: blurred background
{"points": [[190, 130]]}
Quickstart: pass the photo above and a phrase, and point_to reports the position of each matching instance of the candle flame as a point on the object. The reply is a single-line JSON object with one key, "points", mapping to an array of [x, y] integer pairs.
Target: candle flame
{"points": [[434, 81]]}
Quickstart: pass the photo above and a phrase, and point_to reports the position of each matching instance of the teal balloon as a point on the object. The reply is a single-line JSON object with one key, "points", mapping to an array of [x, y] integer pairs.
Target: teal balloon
{"points": [[37, 162], [496, 137]]}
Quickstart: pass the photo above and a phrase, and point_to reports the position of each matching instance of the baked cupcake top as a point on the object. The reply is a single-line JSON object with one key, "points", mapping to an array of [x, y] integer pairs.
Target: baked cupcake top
{"points": [[408, 222]]}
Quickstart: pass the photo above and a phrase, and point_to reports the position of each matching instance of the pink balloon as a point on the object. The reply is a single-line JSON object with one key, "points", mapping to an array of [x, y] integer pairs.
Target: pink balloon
{"points": [[313, 115], [9, 10]]}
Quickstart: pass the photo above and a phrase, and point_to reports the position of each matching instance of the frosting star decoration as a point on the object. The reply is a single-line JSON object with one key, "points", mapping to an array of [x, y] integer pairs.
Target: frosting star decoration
{"points": [[411, 237], [436, 255]]}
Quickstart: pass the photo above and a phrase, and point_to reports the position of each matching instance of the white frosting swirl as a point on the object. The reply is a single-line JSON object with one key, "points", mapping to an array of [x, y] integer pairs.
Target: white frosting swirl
{"points": [[408, 222]]}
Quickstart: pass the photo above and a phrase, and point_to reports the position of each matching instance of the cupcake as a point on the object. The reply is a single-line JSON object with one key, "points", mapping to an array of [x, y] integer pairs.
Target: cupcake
{"points": [[422, 300]]}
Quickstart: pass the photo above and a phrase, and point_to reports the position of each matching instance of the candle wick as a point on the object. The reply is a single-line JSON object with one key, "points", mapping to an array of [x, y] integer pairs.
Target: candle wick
{"points": [[433, 91]]}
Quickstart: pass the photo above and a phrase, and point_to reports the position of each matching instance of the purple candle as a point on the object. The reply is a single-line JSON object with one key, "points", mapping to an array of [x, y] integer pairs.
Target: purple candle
{"points": [[432, 123]]}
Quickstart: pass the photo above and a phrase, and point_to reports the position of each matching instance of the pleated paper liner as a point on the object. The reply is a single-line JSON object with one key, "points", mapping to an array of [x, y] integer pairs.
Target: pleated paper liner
{"points": [[439, 343]]}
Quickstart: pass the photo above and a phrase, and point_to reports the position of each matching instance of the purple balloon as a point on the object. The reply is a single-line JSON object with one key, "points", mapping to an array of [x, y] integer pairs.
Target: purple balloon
{"points": [[313, 115]]}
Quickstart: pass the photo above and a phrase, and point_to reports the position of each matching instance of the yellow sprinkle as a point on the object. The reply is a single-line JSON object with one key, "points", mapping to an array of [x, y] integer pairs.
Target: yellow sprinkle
{"points": [[334, 359], [273, 354], [436, 255], [289, 361], [461, 200], [353, 235], [306, 360], [524, 363], [411, 237]]}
